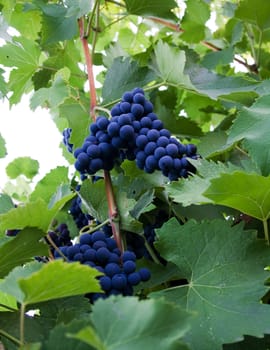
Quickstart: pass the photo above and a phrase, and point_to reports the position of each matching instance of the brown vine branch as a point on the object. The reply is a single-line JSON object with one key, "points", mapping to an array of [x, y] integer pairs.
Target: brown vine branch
{"points": [[113, 211], [89, 67], [177, 28]]}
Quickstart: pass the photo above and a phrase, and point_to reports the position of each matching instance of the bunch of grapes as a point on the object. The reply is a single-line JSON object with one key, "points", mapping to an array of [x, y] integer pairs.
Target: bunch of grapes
{"points": [[80, 218], [134, 132], [66, 136], [60, 237], [100, 251]]}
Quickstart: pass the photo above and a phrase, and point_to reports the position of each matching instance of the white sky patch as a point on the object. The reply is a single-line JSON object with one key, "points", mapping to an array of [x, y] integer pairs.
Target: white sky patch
{"points": [[29, 134]]}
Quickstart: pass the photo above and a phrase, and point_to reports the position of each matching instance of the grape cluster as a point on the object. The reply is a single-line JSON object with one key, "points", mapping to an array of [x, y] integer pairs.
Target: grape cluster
{"points": [[66, 136], [80, 218], [60, 237], [134, 132], [100, 251]]}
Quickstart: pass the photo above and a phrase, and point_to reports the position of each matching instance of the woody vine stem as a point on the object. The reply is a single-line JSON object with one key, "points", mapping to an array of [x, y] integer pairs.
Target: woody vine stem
{"points": [[113, 210]]}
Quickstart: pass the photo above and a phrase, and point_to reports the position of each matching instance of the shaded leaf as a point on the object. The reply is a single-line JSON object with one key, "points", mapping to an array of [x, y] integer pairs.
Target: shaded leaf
{"points": [[5, 203], [256, 14], [157, 8], [21, 249], [152, 324], [224, 267], [252, 126]]}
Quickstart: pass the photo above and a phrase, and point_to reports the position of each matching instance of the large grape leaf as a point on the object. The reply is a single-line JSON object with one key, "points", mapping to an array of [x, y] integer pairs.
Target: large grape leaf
{"points": [[157, 8], [252, 125], [224, 268], [249, 193], [127, 323]]}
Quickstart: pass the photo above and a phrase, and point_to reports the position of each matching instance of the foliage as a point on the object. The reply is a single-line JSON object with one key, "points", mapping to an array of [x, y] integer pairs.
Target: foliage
{"points": [[205, 237]]}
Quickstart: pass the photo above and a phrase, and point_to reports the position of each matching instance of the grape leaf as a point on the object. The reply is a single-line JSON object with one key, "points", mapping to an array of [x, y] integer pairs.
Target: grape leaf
{"points": [[170, 64], [251, 126], [224, 267], [213, 144], [76, 112], [52, 96], [32, 214], [62, 277], [152, 324], [157, 8], [21, 249], [58, 24], [23, 54], [256, 14], [248, 193], [92, 195], [7, 302], [22, 165], [196, 14], [5, 203], [124, 75], [10, 283], [59, 339], [3, 150], [47, 186]]}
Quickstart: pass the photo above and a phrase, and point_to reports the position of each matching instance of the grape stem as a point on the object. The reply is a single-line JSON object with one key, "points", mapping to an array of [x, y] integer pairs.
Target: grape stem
{"points": [[113, 211], [90, 228], [89, 67]]}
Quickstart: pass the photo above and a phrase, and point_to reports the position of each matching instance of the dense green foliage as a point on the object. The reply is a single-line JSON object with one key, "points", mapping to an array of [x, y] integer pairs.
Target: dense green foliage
{"points": [[209, 84]]}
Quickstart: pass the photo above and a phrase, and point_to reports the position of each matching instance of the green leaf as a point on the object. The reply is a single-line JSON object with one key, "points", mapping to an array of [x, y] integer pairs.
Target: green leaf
{"points": [[170, 63], [22, 166], [76, 112], [248, 193], [193, 23], [54, 95], [5, 203], [222, 57], [213, 144], [59, 339], [214, 85], [256, 14], [192, 190], [224, 268], [142, 203], [3, 150], [58, 24], [10, 283], [65, 279], [23, 54], [21, 249], [152, 324], [47, 186], [157, 8], [7, 302], [92, 195], [251, 126], [124, 75], [32, 214]]}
